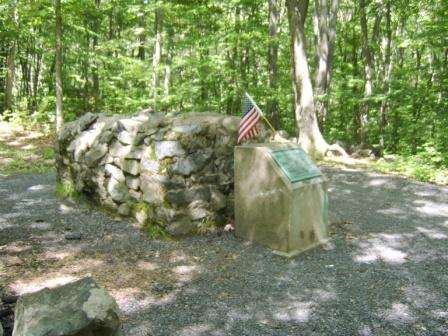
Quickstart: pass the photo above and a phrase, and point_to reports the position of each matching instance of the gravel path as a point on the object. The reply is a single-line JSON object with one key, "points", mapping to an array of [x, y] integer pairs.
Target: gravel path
{"points": [[385, 272]]}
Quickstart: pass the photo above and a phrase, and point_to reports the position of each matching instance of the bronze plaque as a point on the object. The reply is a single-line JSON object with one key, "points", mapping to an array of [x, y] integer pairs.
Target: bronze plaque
{"points": [[296, 164]]}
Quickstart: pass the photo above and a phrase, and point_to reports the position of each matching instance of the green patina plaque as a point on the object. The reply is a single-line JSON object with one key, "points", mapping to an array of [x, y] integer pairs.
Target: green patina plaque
{"points": [[296, 164]]}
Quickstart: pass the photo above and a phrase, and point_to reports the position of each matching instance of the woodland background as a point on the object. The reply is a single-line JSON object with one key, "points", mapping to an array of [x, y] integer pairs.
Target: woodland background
{"points": [[378, 68]]}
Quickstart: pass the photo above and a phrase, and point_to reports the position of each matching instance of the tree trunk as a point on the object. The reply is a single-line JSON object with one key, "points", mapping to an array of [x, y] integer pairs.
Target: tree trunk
{"points": [[388, 65], [37, 67], [142, 35], [368, 74], [309, 135], [58, 52], [157, 53], [272, 105], [10, 77], [416, 104], [10, 63], [95, 76], [325, 32], [168, 63]]}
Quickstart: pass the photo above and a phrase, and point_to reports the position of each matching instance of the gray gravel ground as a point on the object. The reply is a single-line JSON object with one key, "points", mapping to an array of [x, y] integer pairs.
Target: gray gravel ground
{"points": [[384, 273]]}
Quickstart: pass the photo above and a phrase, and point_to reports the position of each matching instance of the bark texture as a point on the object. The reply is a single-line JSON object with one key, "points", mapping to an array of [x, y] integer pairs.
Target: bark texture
{"points": [[272, 105], [157, 54], [310, 137], [58, 66]]}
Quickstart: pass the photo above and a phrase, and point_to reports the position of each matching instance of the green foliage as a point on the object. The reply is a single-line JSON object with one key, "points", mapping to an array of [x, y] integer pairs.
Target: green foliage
{"points": [[419, 167], [206, 226], [66, 189], [213, 52], [157, 232]]}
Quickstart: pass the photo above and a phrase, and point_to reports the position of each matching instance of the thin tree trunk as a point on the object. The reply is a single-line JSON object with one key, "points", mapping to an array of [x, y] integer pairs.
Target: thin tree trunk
{"points": [[142, 36], [58, 52], [309, 135], [10, 77], [157, 53], [10, 63], [168, 63], [368, 74], [416, 108], [272, 105], [388, 65], [95, 76], [325, 33], [37, 67]]}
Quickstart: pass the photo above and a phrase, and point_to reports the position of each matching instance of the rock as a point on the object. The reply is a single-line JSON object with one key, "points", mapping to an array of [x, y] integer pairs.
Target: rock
{"points": [[185, 166], [83, 142], [119, 150], [152, 188], [217, 199], [141, 216], [115, 172], [199, 193], [181, 227], [106, 136], [168, 149], [133, 182], [137, 195], [198, 210], [129, 125], [231, 124], [117, 190], [95, 154], [176, 197], [148, 165], [134, 153], [126, 138], [124, 209], [193, 163], [154, 120], [187, 129], [73, 236], [80, 308], [131, 166]]}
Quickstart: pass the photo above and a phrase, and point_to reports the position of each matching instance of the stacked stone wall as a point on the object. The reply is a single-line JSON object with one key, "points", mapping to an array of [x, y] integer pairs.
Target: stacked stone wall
{"points": [[173, 171]]}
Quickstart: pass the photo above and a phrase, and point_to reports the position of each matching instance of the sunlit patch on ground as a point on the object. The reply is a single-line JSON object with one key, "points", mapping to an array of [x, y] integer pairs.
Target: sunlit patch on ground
{"points": [[384, 248], [38, 283], [399, 313], [24, 151]]}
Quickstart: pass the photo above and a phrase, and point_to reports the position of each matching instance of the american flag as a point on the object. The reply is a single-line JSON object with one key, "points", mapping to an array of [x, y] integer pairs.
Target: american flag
{"points": [[248, 123]]}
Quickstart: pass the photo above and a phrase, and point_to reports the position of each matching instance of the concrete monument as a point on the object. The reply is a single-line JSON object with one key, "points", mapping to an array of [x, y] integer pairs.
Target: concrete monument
{"points": [[280, 198]]}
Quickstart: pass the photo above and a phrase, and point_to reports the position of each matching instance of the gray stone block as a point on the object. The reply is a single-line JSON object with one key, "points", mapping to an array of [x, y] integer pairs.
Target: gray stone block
{"points": [[168, 149], [80, 308]]}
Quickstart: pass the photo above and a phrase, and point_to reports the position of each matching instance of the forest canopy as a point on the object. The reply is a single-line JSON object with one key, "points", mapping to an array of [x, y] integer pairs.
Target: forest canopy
{"points": [[378, 69]]}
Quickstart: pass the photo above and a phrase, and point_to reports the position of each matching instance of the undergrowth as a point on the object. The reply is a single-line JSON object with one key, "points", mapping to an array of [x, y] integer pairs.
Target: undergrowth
{"points": [[19, 160]]}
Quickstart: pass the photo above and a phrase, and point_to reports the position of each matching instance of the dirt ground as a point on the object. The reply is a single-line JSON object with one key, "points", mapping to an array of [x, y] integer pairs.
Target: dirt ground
{"points": [[384, 272]]}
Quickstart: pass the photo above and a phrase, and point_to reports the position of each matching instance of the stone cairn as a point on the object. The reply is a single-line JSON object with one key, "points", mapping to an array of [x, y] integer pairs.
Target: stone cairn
{"points": [[173, 171]]}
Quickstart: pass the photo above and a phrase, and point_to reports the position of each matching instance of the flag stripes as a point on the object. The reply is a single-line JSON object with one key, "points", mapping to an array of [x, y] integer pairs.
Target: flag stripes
{"points": [[251, 116]]}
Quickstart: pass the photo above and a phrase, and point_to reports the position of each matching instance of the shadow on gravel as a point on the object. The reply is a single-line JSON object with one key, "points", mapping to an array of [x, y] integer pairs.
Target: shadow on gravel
{"points": [[385, 272]]}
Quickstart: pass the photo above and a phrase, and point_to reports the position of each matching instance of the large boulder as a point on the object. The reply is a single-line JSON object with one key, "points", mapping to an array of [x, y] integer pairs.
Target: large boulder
{"points": [[80, 308]]}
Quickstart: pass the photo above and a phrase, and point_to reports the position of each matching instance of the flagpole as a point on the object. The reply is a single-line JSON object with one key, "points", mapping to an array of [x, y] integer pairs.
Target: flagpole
{"points": [[261, 112]]}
